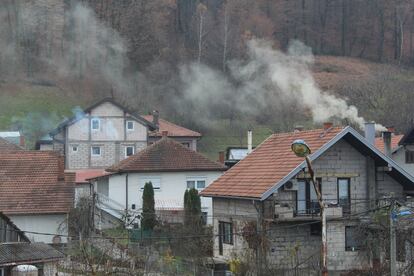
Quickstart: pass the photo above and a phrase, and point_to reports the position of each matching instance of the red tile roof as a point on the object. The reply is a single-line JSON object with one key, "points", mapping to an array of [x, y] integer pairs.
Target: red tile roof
{"points": [[395, 139], [31, 183], [166, 155], [267, 164], [82, 176], [8, 146], [173, 129]]}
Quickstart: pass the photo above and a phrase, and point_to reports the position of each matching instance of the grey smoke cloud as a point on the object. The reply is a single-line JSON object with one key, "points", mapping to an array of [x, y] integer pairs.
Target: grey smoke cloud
{"points": [[265, 74]]}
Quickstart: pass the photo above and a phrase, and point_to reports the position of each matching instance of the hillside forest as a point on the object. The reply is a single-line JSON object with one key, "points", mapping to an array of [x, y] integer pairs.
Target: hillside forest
{"points": [[216, 66]]}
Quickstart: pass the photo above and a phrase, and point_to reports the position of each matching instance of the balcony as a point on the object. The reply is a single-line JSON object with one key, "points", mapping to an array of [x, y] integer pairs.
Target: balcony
{"points": [[306, 211]]}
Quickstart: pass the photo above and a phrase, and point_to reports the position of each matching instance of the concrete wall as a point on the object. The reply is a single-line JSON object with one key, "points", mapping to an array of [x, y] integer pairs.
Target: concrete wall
{"points": [[47, 223], [169, 196], [238, 212]]}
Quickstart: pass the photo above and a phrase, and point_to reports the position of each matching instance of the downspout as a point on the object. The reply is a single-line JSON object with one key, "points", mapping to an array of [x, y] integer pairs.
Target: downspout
{"points": [[126, 197]]}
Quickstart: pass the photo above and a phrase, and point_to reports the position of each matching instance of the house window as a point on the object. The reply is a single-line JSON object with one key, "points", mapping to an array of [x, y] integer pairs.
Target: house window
{"points": [[226, 232], [130, 125], [307, 199], [187, 145], [129, 150], [353, 240], [155, 181], [409, 157], [196, 183], [96, 151], [95, 124], [316, 229], [75, 148], [344, 194]]}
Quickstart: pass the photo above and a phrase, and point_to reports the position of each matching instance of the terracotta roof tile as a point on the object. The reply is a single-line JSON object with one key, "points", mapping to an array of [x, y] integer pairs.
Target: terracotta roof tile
{"points": [[6, 146], [166, 155], [30, 183], [267, 164], [82, 176], [173, 129], [395, 139]]}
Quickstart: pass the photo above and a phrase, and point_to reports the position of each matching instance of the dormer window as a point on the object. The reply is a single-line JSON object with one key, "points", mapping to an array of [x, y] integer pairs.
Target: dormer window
{"points": [[95, 124], [130, 125]]}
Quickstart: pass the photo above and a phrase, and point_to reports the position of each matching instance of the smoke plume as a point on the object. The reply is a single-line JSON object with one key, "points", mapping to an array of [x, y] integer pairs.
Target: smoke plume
{"points": [[265, 75]]}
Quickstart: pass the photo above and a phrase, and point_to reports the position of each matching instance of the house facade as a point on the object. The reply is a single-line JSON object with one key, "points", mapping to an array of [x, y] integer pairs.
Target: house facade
{"points": [[107, 132], [270, 190], [16, 249], [37, 194], [171, 167]]}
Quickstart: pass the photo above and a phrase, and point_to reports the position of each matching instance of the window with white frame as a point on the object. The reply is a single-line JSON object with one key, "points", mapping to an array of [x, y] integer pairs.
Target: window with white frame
{"points": [[96, 151], [129, 150], [95, 124], [197, 183], [130, 125], [155, 181]]}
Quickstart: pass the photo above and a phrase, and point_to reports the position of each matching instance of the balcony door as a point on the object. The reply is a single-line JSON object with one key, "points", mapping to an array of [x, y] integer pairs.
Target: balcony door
{"points": [[307, 199]]}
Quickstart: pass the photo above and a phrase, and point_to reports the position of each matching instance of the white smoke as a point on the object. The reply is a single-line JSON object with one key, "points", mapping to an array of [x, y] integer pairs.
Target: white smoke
{"points": [[267, 73]]}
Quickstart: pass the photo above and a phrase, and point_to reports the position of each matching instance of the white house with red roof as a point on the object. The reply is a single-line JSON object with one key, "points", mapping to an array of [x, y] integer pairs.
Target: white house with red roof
{"points": [[171, 167], [36, 193], [269, 192]]}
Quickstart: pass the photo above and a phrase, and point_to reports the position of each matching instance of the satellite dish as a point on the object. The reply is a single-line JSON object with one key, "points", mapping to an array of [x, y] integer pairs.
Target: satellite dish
{"points": [[289, 185]]}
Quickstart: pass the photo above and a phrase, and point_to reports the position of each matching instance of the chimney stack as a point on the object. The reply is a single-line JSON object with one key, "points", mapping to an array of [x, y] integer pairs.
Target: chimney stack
{"points": [[386, 136], [155, 117], [249, 141], [164, 133], [391, 129], [221, 157], [370, 132], [327, 125], [21, 141]]}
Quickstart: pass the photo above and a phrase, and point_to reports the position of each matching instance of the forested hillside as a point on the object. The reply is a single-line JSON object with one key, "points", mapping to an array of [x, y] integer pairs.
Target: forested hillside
{"points": [[195, 61]]}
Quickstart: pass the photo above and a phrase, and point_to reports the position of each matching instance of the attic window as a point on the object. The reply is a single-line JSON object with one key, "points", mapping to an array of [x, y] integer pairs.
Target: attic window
{"points": [[130, 125], [129, 150], [409, 157], [95, 124]]}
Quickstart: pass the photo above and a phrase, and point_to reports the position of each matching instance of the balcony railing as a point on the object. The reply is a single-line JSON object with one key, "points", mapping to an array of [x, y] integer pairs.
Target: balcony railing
{"points": [[308, 210]]}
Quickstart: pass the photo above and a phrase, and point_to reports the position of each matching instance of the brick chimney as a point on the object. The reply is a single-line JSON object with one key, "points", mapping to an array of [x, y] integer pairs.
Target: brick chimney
{"points": [[327, 125], [21, 141], [164, 133], [221, 157], [391, 129]]}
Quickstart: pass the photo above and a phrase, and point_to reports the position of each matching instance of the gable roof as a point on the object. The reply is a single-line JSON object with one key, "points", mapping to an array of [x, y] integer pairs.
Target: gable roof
{"points": [[30, 183], [12, 254], [172, 129], [74, 119], [395, 140], [166, 155], [273, 163], [6, 146]]}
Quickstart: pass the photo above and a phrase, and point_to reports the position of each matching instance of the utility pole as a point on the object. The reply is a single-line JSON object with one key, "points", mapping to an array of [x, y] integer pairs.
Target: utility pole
{"points": [[324, 249], [301, 149], [393, 243]]}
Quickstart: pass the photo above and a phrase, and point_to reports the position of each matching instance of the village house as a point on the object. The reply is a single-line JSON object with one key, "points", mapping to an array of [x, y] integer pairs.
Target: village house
{"points": [[17, 250], [36, 193], [171, 168], [269, 191], [107, 132]]}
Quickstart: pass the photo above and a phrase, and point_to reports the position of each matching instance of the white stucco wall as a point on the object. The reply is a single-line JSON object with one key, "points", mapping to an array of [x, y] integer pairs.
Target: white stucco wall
{"points": [[48, 223], [399, 157], [170, 195]]}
